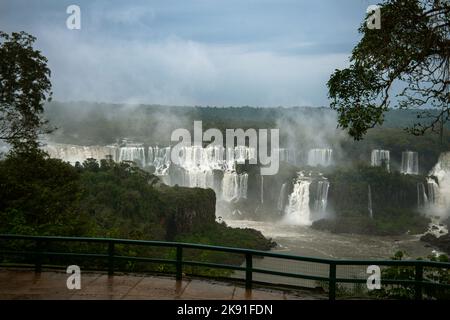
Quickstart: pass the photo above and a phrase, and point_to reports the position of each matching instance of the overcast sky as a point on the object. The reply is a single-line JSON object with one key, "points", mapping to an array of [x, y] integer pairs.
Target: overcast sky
{"points": [[192, 52]]}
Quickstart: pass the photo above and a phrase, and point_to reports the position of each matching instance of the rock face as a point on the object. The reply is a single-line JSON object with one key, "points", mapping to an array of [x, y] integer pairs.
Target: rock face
{"points": [[188, 209], [443, 242]]}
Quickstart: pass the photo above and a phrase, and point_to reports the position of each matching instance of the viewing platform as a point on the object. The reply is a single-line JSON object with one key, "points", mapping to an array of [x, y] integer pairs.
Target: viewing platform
{"points": [[49, 285]]}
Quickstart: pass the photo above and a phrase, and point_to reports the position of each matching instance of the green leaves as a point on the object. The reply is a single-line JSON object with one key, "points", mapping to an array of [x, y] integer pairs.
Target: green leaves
{"points": [[24, 87], [405, 63]]}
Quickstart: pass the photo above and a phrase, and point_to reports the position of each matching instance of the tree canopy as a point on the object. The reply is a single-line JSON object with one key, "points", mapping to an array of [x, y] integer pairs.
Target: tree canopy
{"points": [[403, 64], [24, 88]]}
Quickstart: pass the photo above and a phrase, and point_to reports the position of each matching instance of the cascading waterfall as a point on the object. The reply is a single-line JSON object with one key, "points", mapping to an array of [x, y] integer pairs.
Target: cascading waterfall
{"points": [[288, 155], [369, 196], [422, 198], [262, 189], [380, 158], [320, 157], [196, 165], [320, 204], [297, 211], [439, 193], [282, 197], [410, 162], [234, 186], [134, 153], [160, 159], [433, 191], [74, 153]]}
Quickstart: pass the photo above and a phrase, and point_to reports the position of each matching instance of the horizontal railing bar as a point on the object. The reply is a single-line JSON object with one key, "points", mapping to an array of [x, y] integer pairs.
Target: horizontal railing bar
{"points": [[142, 259], [234, 250], [44, 253], [213, 265], [291, 275]]}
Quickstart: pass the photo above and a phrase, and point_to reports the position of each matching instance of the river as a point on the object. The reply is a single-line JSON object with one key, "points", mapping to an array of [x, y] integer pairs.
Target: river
{"points": [[305, 241]]}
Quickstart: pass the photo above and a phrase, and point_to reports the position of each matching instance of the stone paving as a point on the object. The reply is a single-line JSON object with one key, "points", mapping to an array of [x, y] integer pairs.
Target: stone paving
{"points": [[26, 284]]}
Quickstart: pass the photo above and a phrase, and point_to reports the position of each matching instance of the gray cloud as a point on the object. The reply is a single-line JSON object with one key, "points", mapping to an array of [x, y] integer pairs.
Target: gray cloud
{"points": [[264, 52]]}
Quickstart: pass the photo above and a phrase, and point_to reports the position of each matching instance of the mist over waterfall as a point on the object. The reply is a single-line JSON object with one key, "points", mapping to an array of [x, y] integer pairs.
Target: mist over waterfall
{"points": [[297, 210], [320, 157], [380, 158], [288, 155], [410, 162]]}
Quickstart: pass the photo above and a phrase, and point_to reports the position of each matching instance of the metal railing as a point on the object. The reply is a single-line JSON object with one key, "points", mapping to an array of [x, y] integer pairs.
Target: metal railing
{"points": [[40, 243]]}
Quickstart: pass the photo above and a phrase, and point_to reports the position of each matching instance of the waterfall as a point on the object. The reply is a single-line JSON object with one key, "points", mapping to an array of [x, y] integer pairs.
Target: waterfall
{"points": [[297, 211], [410, 162], [439, 192], [380, 158], [288, 155], [370, 202], [320, 157], [320, 204], [234, 186], [282, 197], [160, 159], [133, 153], [243, 185], [75, 153], [433, 191], [422, 198], [262, 189]]}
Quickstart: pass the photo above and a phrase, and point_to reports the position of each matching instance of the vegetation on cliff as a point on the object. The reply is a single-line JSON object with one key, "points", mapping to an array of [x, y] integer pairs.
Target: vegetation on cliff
{"points": [[43, 196]]}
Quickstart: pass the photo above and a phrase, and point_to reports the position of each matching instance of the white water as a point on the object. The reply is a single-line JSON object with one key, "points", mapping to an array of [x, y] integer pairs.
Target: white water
{"points": [[288, 155], [370, 208], [380, 157], [422, 198], [74, 153], [234, 186], [160, 159], [297, 211], [410, 162], [282, 197], [320, 157], [320, 205], [440, 194], [134, 153], [262, 189]]}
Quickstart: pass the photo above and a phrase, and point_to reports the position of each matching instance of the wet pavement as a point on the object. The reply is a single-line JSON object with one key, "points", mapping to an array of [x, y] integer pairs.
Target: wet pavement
{"points": [[26, 284]]}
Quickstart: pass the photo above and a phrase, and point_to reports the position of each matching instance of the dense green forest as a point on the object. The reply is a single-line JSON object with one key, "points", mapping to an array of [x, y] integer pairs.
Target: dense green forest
{"points": [[44, 196]]}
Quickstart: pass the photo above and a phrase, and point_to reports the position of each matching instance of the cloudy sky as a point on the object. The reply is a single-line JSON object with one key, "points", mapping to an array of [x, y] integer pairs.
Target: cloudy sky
{"points": [[192, 52]]}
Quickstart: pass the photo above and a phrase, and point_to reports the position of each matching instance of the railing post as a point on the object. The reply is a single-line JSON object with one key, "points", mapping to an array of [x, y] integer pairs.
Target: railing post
{"points": [[179, 263], [419, 279], [38, 257], [332, 282], [110, 258], [248, 271]]}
